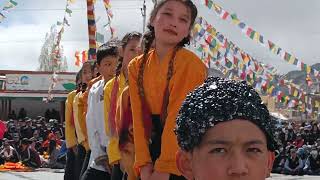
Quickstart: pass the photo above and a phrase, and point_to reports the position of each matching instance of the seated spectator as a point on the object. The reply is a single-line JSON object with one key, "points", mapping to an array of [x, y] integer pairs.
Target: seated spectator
{"points": [[51, 136], [29, 157], [317, 142], [299, 142], [279, 161], [312, 166], [8, 153], [293, 164], [53, 152]]}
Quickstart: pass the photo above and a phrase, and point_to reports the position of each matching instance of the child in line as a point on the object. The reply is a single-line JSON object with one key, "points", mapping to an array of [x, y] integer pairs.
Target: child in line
{"points": [[159, 81], [98, 168], [130, 48]]}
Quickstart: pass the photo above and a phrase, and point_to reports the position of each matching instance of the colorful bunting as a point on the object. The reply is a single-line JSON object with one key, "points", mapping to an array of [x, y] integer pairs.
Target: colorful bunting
{"points": [[9, 5], [107, 6], [254, 35], [249, 68]]}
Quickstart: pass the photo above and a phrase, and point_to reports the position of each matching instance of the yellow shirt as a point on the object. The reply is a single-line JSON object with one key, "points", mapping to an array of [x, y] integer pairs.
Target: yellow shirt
{"points": [[113, 146], [77, 111], [189, 72], [70, 132]]}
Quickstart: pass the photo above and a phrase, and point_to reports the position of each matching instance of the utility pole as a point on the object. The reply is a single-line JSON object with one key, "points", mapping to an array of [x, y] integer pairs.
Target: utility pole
{"points": [[143, 13]]}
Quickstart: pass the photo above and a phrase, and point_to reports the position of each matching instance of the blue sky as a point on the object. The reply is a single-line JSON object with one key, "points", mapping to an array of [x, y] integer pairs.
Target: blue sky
{"points": [[292, 24]]}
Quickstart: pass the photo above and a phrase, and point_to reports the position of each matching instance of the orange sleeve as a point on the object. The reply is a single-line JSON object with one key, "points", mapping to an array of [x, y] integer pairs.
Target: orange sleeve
{"points": [[142, 156], [189, 73], [127, 155]]}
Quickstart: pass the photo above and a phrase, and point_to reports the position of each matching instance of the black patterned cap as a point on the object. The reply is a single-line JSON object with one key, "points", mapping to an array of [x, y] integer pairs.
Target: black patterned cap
{"points": [[220, 100]]}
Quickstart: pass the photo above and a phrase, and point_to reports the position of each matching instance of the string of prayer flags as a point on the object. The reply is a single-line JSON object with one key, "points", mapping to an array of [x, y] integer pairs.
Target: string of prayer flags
{"points": [[247, 67], [257, 37], [8, 6], [107, 6]]}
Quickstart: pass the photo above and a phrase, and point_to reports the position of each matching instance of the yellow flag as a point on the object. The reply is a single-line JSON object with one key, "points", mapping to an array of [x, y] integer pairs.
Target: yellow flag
{"points": [[256, 36], [197, 27], [295, 93], [308, 69], [291, 60], [270, 90]]}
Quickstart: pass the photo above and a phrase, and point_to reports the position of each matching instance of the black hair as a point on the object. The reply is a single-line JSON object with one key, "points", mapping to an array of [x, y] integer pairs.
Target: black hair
{"points": [[219, 100], [148, 40], [107, 49], [125, 40]]}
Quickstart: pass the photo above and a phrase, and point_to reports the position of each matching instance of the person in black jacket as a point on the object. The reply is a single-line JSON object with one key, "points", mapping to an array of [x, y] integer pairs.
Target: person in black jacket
{"points": [[29, 157], [312, 166]]}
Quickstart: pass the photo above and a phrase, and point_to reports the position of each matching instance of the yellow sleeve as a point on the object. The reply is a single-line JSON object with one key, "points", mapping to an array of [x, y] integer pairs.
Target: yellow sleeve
{"points": [[70, 132], [190, 72], [142, 154], [112, 148], [82, 121]]}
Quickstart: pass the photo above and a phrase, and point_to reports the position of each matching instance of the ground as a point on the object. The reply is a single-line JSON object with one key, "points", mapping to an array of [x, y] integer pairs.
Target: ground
{"points": [[47, 174]]}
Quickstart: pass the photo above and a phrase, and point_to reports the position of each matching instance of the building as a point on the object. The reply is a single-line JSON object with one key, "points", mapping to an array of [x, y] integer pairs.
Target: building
{"points": [[30, 90]]}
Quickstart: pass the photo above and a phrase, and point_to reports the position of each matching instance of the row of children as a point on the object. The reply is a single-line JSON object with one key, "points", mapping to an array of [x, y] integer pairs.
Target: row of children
{"points": [[122, 126]]}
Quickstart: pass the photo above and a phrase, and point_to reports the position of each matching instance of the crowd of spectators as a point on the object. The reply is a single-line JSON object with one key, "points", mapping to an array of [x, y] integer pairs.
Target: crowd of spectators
{"points": [[35, 142], [299, 150]]}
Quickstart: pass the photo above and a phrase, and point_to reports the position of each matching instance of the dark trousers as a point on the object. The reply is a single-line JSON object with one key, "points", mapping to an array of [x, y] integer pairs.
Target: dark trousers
{"points": [[294, 173], [155, 145], [85, 163], [94, 174], [116, 174], [79, 161], [69, 171]]}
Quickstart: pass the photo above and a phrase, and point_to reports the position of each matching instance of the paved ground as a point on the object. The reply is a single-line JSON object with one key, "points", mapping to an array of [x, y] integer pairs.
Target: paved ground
{"points": [[45, 174]]}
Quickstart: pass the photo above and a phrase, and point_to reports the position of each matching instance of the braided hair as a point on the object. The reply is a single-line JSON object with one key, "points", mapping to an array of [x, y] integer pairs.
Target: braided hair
{"points": [[148, 40], [115, 88], [124, 42]]}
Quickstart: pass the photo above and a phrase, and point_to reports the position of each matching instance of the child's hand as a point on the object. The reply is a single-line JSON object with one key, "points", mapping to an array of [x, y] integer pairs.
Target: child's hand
{"points": [[146, 172], [159, 176]]}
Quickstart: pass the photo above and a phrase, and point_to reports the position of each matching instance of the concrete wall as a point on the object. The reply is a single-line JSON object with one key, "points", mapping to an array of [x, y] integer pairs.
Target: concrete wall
{"points": [[35, 107]]}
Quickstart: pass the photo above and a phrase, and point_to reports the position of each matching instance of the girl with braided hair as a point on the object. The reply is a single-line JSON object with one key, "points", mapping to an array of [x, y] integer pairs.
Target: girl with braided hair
{"points": [[129, 49], [159, 81]]}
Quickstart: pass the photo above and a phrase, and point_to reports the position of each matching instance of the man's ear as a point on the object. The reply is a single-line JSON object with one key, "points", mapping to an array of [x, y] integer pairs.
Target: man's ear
{"points": [[184, 164], [271, 157]]}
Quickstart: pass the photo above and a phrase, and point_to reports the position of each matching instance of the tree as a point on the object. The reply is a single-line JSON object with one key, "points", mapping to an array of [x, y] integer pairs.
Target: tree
{"points": [[51, 57]]}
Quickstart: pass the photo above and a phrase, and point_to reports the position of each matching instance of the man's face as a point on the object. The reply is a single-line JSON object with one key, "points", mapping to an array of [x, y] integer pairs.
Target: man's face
{"points": [[293, 153], [108, 66], [7, 146], [231, 150]]}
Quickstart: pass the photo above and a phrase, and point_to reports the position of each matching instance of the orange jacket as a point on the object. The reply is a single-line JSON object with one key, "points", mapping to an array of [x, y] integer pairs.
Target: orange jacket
{"points": [[189, 72]]}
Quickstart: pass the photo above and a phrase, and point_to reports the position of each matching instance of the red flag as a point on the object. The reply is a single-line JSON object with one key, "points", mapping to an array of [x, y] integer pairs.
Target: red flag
{"points": [[3, 129], [84, 56], [77, 56]]}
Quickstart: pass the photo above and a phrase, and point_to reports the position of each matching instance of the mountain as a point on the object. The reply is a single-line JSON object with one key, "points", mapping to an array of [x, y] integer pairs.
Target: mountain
{"points": [[299, 78]]}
